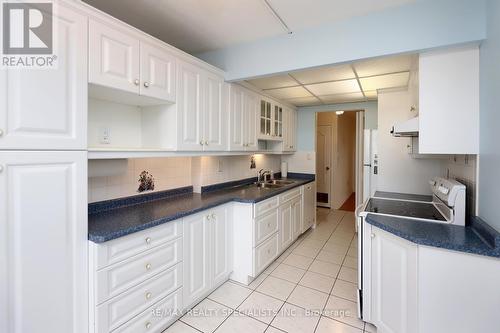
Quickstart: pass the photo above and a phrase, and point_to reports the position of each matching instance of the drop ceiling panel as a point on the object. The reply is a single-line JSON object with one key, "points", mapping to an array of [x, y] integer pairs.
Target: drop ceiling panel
{"points": [[324, 74], [304, 101], [371, 95], [336, 87], [343, 98], [293, 92], [278, 81], [384, 65], [385, 81]]}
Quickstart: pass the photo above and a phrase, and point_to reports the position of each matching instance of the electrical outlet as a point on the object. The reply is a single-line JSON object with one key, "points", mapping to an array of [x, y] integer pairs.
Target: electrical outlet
{"points": [[105, 135]]}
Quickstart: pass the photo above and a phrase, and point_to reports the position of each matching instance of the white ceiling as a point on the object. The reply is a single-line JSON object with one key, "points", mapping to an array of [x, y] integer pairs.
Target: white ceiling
{"points": [[202, 25], [356, 82]]}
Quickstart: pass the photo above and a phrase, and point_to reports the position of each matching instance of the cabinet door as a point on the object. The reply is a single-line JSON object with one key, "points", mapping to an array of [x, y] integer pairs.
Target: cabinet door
{"points": [[43, 232], [309, 207], [250, 125], [197, 253], [293, 130], [113, 58], [215, 113], [394, 283], [297, 217], [189, 108], [47, 108], [278, 121], [286, 225], [221, 244], [158, 73], [287, 132], [236, 119]]}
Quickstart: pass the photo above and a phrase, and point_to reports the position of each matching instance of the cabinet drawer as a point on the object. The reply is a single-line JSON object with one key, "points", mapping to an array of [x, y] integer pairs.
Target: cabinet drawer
{"points": [[122, 248], [290, 194], [265, 226], [156, 318], [122, 276], [121, 308], [265, 206], [265, 253]]}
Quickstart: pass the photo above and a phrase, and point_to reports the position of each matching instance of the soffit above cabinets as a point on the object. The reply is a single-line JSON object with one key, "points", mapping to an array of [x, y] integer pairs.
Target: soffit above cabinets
{"points": [[354, 82]]}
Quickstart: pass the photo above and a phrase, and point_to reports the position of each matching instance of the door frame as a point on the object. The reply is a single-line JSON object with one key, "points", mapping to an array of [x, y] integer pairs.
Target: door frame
{"points": [[332, 143], [358, 175]]}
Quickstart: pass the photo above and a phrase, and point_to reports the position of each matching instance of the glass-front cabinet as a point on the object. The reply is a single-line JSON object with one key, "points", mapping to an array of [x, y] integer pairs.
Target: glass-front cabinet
{"points": [[271, 121]]}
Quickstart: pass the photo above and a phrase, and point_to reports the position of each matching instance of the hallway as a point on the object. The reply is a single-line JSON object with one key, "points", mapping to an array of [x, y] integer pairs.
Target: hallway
{"points": [[311, 287]]}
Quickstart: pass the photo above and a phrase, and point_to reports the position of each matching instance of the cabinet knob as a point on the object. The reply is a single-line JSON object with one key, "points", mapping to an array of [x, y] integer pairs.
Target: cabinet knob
{"points": [[1, 168], [148, 240], [201, 142], [372, 235], [146, 84], [1, 132], [213, 216], [136, 82], [148, 325], [206, 143], [148, 295], [208, 217], [148, 267]]}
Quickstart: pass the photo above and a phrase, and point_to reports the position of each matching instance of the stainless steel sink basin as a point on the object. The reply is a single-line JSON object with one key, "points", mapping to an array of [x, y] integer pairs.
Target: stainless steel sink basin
{"points": [[279, 182], [269, 185]]}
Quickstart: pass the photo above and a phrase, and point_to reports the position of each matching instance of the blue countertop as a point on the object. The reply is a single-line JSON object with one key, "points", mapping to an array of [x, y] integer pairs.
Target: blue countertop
{"points": [[476, 238], [117, 218]]}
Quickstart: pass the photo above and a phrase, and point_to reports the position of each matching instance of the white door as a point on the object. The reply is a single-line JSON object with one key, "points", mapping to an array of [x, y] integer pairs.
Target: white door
{"points": [[394, 283], [297, 217], [237, 136], [158, 73], [323, 165], [47, 108], [114, 58], [215, 113], [221, 244], [43, 237], [286, 225], [251, 111], [189, 104]]}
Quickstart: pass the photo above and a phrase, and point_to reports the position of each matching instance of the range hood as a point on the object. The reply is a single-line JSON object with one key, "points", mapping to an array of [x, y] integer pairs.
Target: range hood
{"points": [[406, 128]]}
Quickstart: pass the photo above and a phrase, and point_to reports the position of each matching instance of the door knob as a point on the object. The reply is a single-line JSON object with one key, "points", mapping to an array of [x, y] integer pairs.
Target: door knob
{"points": [[327, 168]]}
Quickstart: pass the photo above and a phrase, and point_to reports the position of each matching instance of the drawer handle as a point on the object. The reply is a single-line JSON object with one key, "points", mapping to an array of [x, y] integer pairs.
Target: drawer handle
{"points": [[148, 295], [148, 266], [148, 240], [148, 325]]}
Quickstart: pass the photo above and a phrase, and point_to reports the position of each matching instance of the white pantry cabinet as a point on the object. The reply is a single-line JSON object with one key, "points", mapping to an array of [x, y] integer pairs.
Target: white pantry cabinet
{"points": [[47, 108], [449, 101], [207, 249], [243, 108], [201, 110], [43, 232], [118, 59]]}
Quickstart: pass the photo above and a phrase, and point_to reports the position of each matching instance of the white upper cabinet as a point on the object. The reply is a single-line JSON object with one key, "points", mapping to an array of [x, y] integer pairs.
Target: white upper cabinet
{"points": [[114, 58], [47, 108], [243, 113], [215, 113], [290, 130], [158, 73], [270, 120], [449, 101], [121, 60], [43, 232], [189, 104]]}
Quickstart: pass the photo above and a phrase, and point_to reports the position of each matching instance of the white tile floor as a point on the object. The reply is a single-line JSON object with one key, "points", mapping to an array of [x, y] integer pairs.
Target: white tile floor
{"points": [[311, 287]]}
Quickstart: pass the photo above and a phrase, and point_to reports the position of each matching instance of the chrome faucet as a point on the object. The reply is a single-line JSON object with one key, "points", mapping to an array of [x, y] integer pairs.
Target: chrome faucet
{"points": [[263, 175]]}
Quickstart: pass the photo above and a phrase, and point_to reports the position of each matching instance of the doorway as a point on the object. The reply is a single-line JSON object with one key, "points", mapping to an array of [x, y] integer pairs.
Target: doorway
{"points": [[339, 147]]}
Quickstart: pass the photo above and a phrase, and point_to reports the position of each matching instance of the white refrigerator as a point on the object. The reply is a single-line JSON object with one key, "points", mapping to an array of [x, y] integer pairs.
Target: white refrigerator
{"points": [[370, 163]]}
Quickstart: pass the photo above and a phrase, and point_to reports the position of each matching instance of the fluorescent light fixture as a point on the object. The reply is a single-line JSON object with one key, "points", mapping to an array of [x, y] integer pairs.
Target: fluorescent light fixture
{"points": [[339, 113]]}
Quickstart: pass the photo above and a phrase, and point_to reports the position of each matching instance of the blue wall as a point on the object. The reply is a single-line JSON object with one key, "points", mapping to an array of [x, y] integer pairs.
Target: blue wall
{"points": [[489, 158], [424, 24], [307, 120]]}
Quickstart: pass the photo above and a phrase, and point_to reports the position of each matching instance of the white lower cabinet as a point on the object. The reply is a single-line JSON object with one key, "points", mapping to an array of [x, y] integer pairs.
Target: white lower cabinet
{"points": [[309, 206], [394, 283], [263, 231], [207, 244], [43, 237]]}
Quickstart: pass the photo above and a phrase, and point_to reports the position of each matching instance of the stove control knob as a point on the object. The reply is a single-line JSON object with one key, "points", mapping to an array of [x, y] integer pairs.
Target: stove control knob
{"points": [[444, 190]]}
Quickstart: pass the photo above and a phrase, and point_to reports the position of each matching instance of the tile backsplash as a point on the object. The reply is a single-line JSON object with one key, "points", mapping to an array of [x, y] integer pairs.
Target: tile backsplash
{"points": [[463, 169], [111, 179]]}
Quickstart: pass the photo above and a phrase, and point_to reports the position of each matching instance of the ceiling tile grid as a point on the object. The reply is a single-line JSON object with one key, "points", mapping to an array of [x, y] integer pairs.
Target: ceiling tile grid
{"points": [[356, 82]]}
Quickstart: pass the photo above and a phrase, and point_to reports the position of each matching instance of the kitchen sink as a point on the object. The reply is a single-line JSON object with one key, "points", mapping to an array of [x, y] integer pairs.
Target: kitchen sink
{"points": [[269, 185], [279, 182]]}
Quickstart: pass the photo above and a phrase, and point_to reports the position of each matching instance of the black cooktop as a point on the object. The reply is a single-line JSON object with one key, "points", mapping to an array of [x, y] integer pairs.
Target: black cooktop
{"points": [[420, 210]]}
